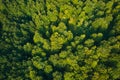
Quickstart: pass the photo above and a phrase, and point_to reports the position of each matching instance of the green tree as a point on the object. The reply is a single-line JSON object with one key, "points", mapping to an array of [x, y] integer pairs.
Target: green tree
{"points": [[57, 75]]}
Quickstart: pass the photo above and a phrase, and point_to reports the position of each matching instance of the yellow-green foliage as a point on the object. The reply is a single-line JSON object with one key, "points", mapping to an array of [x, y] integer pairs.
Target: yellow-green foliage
{"points": [[59, 39]]}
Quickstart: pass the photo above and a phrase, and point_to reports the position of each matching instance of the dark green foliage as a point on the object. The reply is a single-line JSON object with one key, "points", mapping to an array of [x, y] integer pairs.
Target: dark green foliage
{"points": [[59, 39]]}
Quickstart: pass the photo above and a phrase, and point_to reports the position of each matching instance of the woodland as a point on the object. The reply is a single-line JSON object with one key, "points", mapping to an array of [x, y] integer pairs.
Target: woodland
{"points": [[59, 39]]}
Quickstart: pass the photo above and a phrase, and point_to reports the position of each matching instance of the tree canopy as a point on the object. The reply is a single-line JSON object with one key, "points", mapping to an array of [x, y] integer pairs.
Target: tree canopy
{"points": [[59, 39]]}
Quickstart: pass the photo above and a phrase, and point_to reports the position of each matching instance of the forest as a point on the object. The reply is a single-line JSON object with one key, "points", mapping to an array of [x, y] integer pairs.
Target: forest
{"points": [[59, 39]]}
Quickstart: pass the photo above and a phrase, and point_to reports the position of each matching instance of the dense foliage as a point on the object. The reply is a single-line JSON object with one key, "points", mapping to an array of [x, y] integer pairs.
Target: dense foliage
{"points": [[59, 39]]}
